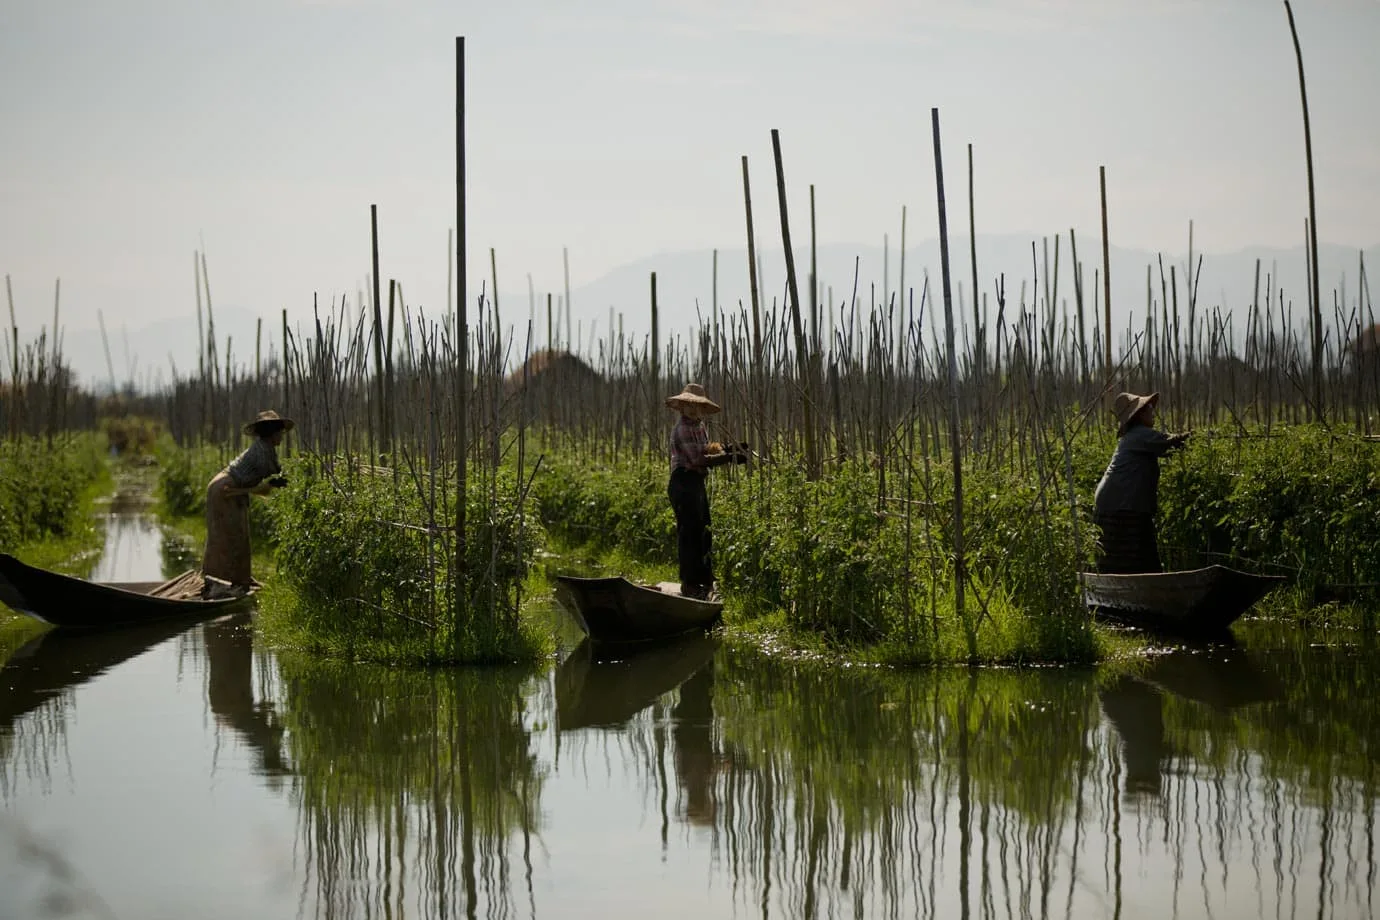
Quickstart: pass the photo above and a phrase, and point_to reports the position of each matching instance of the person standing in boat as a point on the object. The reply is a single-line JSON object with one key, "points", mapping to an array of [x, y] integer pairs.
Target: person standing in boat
{"points": [[692, 455], [1127, 498], [254, 472]]}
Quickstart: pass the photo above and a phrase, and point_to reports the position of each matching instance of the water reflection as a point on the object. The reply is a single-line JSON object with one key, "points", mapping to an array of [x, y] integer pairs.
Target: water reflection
{"points": [[1220, 677], [133, 550], [410, 786], [230, 692], [608, 690], [38, 680], [1226, 780]]}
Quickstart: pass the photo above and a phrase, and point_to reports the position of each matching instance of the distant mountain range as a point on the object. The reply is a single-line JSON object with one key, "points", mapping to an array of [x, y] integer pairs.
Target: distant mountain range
{"points": [[685, 289]]}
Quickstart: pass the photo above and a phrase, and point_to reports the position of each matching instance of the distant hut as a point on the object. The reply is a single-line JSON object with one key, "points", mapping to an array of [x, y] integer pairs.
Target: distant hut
{"points": [[549, 367], [555, 380], [1363, 350]]}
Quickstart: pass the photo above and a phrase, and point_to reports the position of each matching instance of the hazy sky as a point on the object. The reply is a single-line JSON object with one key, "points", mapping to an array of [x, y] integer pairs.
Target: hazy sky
{"points": [[131, 131]]}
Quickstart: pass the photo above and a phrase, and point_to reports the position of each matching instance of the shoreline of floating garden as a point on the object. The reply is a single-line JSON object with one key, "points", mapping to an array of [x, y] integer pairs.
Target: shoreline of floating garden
{"points": [[819, 574]]}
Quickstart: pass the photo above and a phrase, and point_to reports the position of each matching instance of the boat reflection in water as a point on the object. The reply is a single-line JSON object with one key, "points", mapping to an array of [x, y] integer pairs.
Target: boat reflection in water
{"points": [[1220, 677], [605, 689]]}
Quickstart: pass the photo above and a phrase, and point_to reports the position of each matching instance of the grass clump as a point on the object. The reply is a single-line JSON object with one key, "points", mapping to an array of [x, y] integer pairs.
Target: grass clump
{"points": [[45, 486], [370, 578], [48, 490]]}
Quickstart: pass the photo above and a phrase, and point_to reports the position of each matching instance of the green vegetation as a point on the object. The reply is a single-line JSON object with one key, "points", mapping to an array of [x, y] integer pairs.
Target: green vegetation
{"points": [[820, 561], [1302, 501], [365, 576], [48, 490], [44, 486], [820, 565]]}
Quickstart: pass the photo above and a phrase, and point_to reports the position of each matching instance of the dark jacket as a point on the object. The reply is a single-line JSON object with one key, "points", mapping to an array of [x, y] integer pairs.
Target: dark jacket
{"points": [[1131, 483]]}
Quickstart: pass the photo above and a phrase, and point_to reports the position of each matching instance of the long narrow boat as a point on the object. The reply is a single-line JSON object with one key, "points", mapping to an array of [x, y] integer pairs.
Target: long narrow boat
{"points": [[74, 603], [615, 610], [1194, 602]]}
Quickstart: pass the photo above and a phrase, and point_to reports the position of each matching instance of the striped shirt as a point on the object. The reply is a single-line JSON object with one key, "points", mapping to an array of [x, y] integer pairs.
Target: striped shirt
{"points": [[258, 462], [689, 441]]}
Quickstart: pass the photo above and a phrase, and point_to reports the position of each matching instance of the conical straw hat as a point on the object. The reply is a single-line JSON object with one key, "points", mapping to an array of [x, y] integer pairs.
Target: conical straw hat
{"points": [[692, 395], [1127, 405]]}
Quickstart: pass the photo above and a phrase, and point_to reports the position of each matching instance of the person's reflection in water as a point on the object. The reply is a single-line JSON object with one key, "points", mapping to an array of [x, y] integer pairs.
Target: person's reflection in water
{"points": [[1134, 709], [230, 690], [693, 731]]}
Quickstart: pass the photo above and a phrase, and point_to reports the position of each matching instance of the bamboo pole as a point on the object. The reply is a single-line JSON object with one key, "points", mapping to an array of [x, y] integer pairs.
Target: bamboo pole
{"points": [[979, 334], [16, 399], [955, 444], [755, 367], [462, 332], [1106, 281], [807, 402], [1314, 299]]}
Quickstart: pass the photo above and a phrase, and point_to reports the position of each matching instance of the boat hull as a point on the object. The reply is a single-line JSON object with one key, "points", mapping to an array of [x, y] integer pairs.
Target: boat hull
{"points": [[1194, 602], [74, 603], [617, 611]]}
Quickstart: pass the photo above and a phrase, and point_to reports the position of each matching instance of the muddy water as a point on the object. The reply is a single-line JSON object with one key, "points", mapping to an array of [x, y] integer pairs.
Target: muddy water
{"points": [[172, 773]]}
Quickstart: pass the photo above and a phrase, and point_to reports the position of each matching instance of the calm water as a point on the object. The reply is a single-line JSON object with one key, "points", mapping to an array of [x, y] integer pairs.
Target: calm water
{"points": [[194, 773]]}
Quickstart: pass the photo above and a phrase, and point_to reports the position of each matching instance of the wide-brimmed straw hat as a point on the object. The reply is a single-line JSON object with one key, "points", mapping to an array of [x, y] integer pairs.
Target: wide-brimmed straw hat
{"points": [[1126, 405], [268, 419], [692, 397]]}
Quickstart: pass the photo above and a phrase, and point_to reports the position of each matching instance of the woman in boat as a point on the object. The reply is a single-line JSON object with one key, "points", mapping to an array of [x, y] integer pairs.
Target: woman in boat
{"points": [[254, 472], [692, 455], [1126, 500]]}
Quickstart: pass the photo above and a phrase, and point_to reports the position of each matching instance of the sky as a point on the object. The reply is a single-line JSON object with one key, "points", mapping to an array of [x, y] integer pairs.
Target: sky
{"points": [[133, 134]]}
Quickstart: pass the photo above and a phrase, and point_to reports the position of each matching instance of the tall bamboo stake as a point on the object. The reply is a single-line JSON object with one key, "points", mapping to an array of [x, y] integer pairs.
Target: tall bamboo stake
{"points": [[979, 334], [955, 444], [807, 403], [755, 368], [1314, 299], [1106, 281], [462, 333]]}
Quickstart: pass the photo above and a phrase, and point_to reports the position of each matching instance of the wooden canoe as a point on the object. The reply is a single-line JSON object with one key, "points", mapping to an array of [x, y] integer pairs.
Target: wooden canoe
{"points": [[601, 690], [1195, 602], [614, 610], [74, 603]]}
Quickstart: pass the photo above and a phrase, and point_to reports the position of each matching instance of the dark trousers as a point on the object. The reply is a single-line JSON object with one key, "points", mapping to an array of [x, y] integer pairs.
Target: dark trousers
{"points": [[690, 502], [1128, 544]]}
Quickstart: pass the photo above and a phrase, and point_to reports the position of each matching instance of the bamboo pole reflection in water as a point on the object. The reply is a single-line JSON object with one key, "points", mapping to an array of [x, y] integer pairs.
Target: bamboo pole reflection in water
{"points": [[977, 801], [411, 787]]}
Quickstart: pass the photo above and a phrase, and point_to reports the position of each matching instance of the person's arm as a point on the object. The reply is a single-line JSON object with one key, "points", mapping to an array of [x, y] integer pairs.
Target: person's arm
{"points": [[1156, 443]]}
